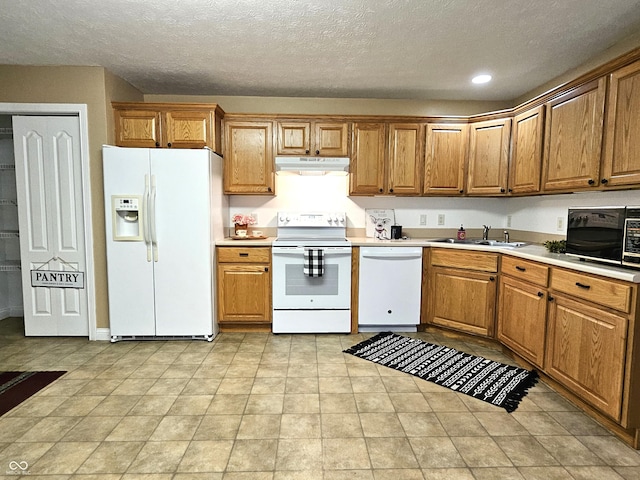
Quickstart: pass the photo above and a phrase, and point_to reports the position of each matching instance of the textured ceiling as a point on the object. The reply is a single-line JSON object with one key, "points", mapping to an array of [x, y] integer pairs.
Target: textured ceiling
{"points": [[410, 49]]}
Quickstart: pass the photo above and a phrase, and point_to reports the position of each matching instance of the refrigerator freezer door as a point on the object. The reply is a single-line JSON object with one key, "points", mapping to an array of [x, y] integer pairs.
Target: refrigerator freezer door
{"points": [[183, 240], [130, 275]]}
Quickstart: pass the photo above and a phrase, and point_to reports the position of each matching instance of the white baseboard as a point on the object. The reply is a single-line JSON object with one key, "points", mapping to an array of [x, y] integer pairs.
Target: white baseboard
{"points": [[103, 334]]}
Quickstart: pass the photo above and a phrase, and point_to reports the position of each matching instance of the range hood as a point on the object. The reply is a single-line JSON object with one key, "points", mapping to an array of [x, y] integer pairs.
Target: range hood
{"points": [[312, 165]]}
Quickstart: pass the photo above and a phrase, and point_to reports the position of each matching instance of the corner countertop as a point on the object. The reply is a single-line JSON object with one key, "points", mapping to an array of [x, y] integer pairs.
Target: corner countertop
{"points": [[536, 253]]}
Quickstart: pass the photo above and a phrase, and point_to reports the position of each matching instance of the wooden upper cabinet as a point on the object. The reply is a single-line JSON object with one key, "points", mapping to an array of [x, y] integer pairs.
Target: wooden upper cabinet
{"points": [[294, 138], [573, 138], [367, 169], [445, 158], [331, 139], [168, 125], [137, 128], [526, 151], [489, 157], [248, 157], [300, 137], [187, 129], [405, 154], [621, 158]]}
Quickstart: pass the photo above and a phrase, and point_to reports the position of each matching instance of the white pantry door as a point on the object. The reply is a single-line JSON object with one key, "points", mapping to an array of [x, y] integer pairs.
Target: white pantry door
{"points": [[51, 221]]}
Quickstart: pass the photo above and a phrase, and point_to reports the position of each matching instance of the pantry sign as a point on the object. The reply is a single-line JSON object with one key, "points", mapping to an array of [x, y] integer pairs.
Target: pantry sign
{"points": [[57, 279]]}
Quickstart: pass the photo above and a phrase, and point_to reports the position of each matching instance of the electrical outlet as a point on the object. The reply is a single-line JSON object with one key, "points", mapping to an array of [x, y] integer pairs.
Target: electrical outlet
{"points": [[441, 219], [423, 219], [560, 224], [509, 221]]}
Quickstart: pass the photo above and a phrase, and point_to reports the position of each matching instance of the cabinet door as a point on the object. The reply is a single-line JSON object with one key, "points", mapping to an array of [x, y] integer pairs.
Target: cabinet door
{"points": [[489, 157], [586, 352], [332, 139], [621, 160], [526, 153], [244, 293], [463, 300], [367, 159], [573, 138], [405, 154], [187, 129], [522, 319], [445, 159], [293, 138], [138, 128], [248, 157]]}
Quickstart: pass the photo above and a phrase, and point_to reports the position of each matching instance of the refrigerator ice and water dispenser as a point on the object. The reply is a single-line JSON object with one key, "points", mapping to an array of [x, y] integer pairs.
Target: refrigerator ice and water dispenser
{"points": [[127, 218]]}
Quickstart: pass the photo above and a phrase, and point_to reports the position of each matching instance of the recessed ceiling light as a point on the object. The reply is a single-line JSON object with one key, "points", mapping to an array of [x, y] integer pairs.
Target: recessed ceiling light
{"points": [[481, 79]]}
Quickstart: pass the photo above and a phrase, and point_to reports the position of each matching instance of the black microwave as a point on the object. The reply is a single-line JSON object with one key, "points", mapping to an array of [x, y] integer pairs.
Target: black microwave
{"points": [[596, 233]]}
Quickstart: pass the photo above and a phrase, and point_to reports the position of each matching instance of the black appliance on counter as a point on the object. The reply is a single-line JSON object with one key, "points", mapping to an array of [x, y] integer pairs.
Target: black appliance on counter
{"points": [[605, 234]]}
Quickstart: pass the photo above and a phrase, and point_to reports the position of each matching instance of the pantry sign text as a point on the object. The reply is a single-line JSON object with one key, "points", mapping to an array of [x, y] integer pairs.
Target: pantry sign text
{"points": [[53, 279]]}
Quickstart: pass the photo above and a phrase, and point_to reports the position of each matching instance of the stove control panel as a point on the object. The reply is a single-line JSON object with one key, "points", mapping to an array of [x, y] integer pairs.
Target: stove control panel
{"points": [[300, 219]]}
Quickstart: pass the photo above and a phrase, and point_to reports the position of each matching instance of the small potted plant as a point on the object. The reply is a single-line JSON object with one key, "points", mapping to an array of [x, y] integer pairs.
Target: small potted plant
{"points": [[242, 222]]}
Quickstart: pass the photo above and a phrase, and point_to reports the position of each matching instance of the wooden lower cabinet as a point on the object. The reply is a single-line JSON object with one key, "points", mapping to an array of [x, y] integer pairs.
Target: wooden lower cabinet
{"points": [[522, 319], [462, 290], [586, 349], [244, 289]]}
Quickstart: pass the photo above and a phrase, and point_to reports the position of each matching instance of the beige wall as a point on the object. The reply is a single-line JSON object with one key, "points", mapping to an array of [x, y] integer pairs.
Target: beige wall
{"points": [[630, 43], [335, 106], [95, 87]]}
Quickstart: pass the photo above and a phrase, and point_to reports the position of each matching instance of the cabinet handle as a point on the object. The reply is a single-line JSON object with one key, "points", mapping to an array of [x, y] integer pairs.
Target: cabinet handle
{"points": [[520, 269], [317, 152], [540, 294], [591, 181], [502, 190], [380, 190], [604, 181], [461, 191], [157, 144], [306, 151], [388, 311], [169, 144], [266, 269], [244, 254], [492, 279], [550, 298], [391, 190], [510, 190], [268, 189], [582, 285]]}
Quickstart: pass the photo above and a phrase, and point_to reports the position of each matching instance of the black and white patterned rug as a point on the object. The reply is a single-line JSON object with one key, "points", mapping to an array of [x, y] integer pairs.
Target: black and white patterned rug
{"points": [[493, 382]]}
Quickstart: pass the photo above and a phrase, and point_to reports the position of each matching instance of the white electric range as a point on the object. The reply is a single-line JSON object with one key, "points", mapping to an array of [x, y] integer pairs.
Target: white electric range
{"points": [[304, 303]]}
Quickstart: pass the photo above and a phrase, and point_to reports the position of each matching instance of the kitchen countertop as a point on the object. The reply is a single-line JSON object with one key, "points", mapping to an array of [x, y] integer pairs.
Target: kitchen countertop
{"points": [[536, 253]]}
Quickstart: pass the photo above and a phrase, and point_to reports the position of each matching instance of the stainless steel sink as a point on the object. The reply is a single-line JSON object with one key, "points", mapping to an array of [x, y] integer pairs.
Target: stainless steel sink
{"points": [[488, 243]]}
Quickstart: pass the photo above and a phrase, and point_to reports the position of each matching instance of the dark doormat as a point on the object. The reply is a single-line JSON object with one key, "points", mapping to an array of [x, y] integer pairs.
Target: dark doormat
{"points": [[493, 382], [16, 387]]}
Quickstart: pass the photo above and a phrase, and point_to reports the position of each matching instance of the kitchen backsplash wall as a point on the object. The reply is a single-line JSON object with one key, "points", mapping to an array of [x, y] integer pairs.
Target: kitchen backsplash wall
{"points": [[330, 193]]}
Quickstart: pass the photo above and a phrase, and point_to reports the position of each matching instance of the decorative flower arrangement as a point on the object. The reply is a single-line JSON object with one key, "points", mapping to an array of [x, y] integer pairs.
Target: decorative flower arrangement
{"points": [[242, 219]]}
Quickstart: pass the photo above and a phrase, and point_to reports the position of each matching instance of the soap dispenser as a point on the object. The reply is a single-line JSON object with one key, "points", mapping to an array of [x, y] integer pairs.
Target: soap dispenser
{"points": [[461, 233]]}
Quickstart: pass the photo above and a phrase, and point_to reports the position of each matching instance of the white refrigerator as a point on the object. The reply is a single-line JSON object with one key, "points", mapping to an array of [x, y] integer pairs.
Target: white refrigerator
{"points": [[164, 210]]}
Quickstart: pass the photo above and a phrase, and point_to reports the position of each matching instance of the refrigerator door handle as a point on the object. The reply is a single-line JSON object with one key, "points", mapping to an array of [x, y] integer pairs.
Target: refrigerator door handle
{"points": [[152, 219], [145, 217]]}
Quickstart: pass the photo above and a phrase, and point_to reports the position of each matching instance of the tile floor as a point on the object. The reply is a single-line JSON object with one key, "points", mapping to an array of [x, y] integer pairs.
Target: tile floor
{"points": [[288, 407]]}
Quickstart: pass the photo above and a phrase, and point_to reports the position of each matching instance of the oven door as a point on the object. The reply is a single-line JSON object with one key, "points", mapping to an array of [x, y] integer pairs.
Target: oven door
{"points": [[293, 290]]}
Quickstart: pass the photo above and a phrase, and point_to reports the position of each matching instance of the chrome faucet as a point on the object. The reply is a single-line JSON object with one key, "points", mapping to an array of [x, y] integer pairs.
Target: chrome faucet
{"points": [[506, 236], [485, 232]]}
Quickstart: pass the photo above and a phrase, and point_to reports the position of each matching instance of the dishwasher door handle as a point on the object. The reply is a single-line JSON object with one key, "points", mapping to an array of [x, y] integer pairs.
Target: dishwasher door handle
{"points": [[391, 255]]}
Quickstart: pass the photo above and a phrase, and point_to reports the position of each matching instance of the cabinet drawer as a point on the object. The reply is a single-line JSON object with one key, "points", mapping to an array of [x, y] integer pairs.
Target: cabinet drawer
{"points": [[244, 255], [467, 260], [523, 269], [598, 290]]}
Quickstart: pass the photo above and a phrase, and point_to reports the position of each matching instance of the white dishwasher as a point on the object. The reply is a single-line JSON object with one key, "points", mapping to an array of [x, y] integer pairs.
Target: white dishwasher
{"points": [[389, 289]]}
